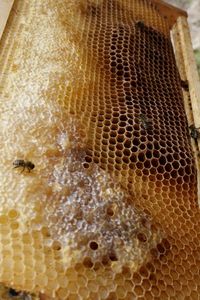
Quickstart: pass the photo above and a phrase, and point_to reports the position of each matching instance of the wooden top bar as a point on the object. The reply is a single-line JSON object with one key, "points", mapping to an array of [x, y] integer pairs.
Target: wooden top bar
{"points": [[169, 11]]}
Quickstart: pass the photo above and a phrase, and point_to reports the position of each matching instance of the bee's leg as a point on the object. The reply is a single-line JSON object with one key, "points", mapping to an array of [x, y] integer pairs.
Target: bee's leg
{"points": [[23, 169], [15, 167]]}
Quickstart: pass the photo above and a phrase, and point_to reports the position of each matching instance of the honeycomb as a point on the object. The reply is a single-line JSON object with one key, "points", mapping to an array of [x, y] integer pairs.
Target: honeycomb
{"points": [[90, 93]]}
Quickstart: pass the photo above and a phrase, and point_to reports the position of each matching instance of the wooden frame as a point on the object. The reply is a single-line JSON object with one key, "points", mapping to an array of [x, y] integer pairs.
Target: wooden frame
{"points": [[5, 8], [188, 72]]}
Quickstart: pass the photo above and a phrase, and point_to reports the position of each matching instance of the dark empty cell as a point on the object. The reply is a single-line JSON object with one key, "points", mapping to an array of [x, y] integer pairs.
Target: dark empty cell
{"points": [[123, 118], [110, 211], [122, 124], [142, 146], [120, 138], [103, 161], [141, 237], [105, 135], [105, 142], [139, 165], [166, 175], [96, 160], [159, 178], [147, 164], [119, 153], [112, 141], [129, 128], [136, 142], [162, 160], [87, 262], [188, 170], [103, 153], [111, 147], [133, 158], [156, 146], [169, 149], [161, 170], [168, 167], [182, 162], [86, 165], [156, 154], [113, 56], [105, 260], [163, 151], [141, 157], [166, 244], [176, 165], [179, 181], [128, 97], [143, 139], [125, 159], [127, 144], [120, 67], [113, 64], [127, 152], [174, 174], [113, 256], [130, 121], [127, 77], [88, 159], [114, 127], [169, 158], [111, 153], [108, 115], [173, 182], [160, 248], [93, 245], [188, 161], [133, 84], [111, 162], [121, 130], [116, 114], [100, 124], [107, 123], [126, 85], [148, 154], [146, 172], [118, 160], [120, 146], [176, 149], [106, 129], [154, 162], [118, 55], [120, 73], [149, 146], [144, 272]]}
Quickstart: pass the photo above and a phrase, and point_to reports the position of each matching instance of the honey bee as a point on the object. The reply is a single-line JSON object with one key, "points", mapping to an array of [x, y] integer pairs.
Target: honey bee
{"points": [[20, 163], [185, 85], [19, 295], [145, 122], [140, 24], [194, 132], [13, 293]]}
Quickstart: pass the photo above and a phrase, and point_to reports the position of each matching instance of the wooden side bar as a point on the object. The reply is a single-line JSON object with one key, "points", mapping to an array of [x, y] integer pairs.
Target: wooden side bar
{"points": [[188, 72]]}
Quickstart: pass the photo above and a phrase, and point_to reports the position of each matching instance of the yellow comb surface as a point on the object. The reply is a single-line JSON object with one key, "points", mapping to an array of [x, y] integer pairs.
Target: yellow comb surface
{"points": [[90, 93]]}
